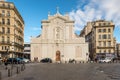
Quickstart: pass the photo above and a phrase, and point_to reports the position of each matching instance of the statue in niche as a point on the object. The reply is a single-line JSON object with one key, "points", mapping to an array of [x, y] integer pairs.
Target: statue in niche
{"points": [[58, 33]]}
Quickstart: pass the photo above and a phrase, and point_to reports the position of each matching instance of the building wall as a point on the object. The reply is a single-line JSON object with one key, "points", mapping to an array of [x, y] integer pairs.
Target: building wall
{"points": [[11, 30], [27, 51], [118, 49], [100, 38], [58, 35], [68, 51]]}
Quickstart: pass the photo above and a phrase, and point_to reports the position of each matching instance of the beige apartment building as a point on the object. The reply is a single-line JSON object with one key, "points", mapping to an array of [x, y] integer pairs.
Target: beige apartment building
{"points": [[118, 49], [99, 35], [11, 30]]}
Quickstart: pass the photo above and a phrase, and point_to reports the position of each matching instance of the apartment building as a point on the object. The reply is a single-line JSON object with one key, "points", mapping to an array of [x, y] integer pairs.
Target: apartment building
{"points": [[27, 50], [118, 49], [99, 35], [11, 30]]}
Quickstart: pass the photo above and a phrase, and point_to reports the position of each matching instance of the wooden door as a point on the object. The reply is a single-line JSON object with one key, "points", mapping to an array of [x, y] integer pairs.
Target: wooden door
{"points": [[57, 55]]}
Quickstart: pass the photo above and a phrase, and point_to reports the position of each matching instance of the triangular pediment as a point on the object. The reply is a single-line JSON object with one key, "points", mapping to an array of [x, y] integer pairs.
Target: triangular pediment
{"points": [[59, 17]]}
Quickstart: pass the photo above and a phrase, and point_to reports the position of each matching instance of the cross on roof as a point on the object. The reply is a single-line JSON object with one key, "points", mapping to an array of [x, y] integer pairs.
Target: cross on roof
{"points": [[57, 10]]}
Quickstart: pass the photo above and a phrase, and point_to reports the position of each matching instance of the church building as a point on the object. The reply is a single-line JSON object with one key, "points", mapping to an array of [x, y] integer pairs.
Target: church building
{"points": [[58, 41]]}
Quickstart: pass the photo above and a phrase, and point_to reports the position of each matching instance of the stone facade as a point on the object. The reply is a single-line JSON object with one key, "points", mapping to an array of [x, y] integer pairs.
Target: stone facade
{"points": [[27, 50], [11, 31], [58, 41], [99, 35], [118, 49]]}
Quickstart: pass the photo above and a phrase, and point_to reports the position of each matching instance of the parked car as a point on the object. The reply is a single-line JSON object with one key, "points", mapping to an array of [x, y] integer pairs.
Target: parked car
{"points": [[72, 61], [106, 60], [25, 60], [46, 60], [14, 60], [116, 59]]}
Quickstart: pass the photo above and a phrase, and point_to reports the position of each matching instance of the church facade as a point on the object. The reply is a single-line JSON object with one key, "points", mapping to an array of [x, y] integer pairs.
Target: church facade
{"points": [[58, 41]]}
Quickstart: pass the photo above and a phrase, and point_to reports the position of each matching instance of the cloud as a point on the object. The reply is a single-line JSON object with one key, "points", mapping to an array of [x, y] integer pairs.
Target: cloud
{"points": [[36, 28], [95, 9], [3, 0]]}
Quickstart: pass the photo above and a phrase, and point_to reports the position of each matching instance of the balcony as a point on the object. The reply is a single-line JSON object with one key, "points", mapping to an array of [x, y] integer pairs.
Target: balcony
{"points": [[18, 22], [101, 47], [5, 42], [18, 45], [6, 7], [20, 38], [8, 33]]}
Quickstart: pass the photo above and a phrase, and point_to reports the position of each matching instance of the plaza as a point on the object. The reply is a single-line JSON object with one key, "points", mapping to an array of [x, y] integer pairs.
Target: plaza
{"points": [[81, 71]]}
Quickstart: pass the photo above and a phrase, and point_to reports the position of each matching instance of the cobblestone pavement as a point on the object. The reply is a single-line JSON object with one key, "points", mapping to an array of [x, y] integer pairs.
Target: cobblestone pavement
{"points": [[86, 71]]}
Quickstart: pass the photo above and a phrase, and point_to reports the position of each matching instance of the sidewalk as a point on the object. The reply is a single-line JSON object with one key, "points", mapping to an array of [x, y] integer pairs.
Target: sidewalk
{"points": [[4, 72]]}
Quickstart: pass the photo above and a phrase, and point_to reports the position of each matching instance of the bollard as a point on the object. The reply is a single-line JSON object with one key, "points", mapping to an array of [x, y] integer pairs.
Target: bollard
{"points": [[6, 67], [0, 76], [83, 61], [9, 72], [65, 61], [21, 67], [18, 71], [24, 66]]}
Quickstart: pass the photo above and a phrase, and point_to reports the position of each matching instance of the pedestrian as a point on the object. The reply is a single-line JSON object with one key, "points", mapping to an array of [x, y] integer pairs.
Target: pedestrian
{"points": [[5, 63]]}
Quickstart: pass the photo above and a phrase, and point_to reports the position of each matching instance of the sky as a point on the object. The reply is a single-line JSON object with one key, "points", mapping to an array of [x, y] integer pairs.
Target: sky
{"points": [[82, 11]]}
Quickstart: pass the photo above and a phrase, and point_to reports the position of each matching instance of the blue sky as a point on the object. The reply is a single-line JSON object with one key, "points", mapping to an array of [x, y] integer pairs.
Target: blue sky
{"points": [[82, 11]]}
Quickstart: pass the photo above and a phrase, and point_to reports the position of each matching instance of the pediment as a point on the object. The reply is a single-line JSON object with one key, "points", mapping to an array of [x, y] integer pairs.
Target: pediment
{"points": [[61, 18]]}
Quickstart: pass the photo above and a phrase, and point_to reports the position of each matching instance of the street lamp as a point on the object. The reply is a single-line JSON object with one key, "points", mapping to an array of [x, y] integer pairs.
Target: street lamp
{"points": [[12, 54], [7, 52], [86, 56]]}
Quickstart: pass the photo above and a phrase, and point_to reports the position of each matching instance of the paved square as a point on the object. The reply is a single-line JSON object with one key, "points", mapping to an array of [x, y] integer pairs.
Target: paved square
{"points": [[88, 71]]}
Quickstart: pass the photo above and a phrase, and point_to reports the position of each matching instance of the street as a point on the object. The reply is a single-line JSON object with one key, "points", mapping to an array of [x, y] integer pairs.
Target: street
{"points": [[83, 71]]}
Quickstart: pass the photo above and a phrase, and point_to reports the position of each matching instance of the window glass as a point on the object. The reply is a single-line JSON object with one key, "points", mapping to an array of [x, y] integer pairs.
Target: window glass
{"points": [[99, 43], [109, 51], [2, 38], [8, 30], [104, 43], [3, 30], [3, 21], [109, 30], [8, 39], [3, 13], [8, 13], [104, 51], [104, 30], [109, 43], [104, 36], [2, 47], [8, 21], [109, 36], [99, 36], [99, 30]]}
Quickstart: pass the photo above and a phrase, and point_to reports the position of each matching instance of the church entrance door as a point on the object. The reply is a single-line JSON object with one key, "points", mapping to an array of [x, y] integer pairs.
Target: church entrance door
{"points": [[57, 55]]}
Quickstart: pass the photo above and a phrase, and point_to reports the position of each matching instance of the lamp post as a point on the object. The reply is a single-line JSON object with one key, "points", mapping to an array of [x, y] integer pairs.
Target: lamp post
{"points": [[86, 56], [23, 55], [7, 52], [12, 54]]}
